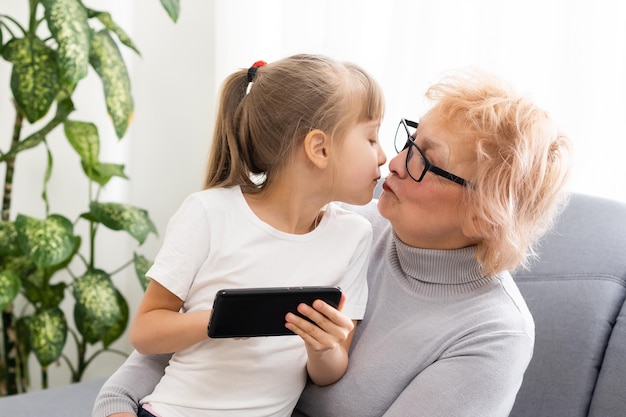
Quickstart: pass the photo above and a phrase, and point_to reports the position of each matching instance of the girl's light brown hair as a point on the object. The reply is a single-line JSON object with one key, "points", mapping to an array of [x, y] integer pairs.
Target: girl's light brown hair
{"points": [[522, 163], [256, 133]]}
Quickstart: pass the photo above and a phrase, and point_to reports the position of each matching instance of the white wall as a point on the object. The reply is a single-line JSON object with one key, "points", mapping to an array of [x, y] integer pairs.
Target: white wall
{"points": [[567, 55]]}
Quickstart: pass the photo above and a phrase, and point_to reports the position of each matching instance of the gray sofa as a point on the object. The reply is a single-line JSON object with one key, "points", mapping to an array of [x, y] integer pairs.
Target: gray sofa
{"points": [[576, 292]]}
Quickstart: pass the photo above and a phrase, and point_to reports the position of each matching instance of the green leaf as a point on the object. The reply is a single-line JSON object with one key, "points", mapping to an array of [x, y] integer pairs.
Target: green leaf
{"points": [[47, 242], [103, 172], [10, 285], [172, 7], [64, 108], [47, 332], [8, 239], [84, 138], [106, 19], [34, 80], [67, 21], [106, 59], [118, 328], [118, 216], [141, 267], [97, 307], [20, 265]]}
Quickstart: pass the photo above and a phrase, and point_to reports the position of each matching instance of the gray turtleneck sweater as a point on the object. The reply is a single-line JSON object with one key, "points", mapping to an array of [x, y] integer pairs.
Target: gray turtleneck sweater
{"points": [[437, 340]]}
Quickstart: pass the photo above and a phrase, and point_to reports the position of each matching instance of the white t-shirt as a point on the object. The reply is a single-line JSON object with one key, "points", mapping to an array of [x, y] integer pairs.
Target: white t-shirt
{"points": [[215, 241]]}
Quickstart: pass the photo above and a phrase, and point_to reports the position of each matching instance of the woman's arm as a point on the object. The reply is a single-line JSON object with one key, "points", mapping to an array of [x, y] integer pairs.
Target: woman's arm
{"points": [[479, 380], [135, 379], [159, 327]]}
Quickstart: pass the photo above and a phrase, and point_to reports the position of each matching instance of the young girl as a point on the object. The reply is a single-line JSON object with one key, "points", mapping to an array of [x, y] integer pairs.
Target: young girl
{"points": [[290, 137]]}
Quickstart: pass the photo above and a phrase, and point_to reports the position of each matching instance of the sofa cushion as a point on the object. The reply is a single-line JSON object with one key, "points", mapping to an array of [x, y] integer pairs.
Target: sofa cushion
{"points": [[74, 400], [610, 395], [576, 291]]}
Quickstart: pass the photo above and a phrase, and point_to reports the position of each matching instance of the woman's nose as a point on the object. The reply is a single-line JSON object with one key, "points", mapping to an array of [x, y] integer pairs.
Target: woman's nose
{"points": [[397, 165]]}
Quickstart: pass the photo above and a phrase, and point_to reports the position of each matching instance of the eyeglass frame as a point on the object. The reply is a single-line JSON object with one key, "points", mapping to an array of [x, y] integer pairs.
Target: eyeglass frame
{"points": [[428, 166]]}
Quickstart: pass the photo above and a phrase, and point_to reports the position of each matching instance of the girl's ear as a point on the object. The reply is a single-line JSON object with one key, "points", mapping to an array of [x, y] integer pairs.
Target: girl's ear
{"points": [[317, 148]]}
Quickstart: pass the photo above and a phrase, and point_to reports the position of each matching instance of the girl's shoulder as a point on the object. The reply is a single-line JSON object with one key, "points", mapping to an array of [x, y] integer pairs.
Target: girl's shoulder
{"points": [[343, 213], [370, 213], [215, 197]]}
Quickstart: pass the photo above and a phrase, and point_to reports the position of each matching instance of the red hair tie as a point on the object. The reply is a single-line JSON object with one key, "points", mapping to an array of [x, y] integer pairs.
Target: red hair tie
{"points": [[253, 68]]}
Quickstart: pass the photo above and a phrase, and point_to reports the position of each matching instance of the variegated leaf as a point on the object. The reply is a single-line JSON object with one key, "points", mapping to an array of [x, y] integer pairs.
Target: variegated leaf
{"points": [[67, 21], [97, 307], [102, 172], [8, 239], [108, 22], [47, 332], [64, 108], [84, 138], [20, 265], [118, 216], [172, 7], [106, 59], [34, 80], [9, 288], [118, 328], [142, 264], [47, 242], [45, 296]]}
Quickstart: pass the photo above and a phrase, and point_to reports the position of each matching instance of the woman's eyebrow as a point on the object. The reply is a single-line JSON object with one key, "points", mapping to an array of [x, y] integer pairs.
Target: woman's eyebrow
{"points": [[427, 143]]}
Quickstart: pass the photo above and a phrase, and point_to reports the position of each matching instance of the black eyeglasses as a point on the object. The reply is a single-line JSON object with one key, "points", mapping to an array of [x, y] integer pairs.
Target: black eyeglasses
{"points": [[418, 167]]}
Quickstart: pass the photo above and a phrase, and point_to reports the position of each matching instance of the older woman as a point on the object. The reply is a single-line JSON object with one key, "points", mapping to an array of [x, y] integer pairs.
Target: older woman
{"points": [[446, 331]]}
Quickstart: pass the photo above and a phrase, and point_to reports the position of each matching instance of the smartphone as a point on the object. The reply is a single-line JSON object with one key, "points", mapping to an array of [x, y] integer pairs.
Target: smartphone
{"points": [[252, 312]]}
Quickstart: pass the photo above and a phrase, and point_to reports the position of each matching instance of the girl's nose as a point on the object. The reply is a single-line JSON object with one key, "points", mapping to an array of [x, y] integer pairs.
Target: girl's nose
{"points": [[382, 158]]}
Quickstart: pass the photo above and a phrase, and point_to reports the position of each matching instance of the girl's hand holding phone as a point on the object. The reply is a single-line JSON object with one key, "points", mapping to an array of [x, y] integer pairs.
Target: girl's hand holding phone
{"points": [[331, 327], [327, 341]]}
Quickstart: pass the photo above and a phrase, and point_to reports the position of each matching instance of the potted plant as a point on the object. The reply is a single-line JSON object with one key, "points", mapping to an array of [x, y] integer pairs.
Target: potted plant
{"points": [[50, 55]]}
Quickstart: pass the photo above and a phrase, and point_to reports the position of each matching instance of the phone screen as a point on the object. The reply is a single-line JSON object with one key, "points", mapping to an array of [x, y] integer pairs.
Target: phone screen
{"points": [[251, 312]]}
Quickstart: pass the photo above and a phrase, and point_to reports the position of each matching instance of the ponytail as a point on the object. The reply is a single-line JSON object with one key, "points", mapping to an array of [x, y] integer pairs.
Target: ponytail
{"points": [[225, 161]]}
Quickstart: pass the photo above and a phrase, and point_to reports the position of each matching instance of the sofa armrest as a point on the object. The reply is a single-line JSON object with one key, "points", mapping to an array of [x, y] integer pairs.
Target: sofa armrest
{"points": [[74, 400]]}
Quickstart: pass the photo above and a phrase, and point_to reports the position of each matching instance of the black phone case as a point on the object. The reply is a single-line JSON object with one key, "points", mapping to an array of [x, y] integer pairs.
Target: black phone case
{"points": [[251, 312]]}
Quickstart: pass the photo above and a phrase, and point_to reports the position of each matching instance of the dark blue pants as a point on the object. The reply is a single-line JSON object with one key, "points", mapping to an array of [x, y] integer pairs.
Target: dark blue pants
{"points": [[144, 413]]}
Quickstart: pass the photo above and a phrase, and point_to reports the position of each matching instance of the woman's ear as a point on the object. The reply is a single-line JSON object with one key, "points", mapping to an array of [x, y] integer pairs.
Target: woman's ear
{"points": [[317, 148]]}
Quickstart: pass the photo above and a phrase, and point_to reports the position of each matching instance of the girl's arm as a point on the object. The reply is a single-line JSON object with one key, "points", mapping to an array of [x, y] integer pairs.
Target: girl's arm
{"points": [[159, 327], [327, 343]]}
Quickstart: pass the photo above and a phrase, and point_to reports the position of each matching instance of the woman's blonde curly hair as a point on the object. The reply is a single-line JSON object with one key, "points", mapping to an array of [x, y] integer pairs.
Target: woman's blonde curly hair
{"points": [[521, 166]]}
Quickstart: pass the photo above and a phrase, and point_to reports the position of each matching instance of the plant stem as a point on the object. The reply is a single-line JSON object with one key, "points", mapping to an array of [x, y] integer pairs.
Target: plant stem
{"points": [[8, 176], [10, 376], [82, 365], [32, 24], [44, 377], [9, 335]]}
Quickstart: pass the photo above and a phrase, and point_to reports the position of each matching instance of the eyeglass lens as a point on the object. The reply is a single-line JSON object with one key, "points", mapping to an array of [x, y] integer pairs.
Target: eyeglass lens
{"points": [[415, 162]]}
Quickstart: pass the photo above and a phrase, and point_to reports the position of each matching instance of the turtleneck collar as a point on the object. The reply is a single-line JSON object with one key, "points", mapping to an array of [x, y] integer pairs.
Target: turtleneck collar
{"points": [[434, 272]]}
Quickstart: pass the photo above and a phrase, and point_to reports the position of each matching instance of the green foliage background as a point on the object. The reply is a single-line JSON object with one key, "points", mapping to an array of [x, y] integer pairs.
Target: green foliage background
{"points": [[50, 55]]}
